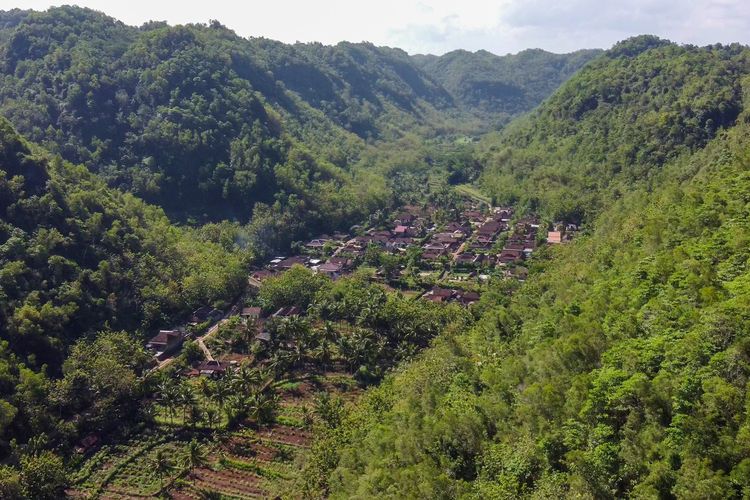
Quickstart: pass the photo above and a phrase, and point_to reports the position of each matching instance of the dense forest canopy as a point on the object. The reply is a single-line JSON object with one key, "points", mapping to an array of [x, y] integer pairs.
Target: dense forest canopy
{"points": [[620, 368], [615, 124], [206, 124]]}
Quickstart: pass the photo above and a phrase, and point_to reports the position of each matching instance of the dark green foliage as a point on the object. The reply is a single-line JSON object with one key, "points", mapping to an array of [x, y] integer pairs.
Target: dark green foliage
{"points": [[77, 258]]}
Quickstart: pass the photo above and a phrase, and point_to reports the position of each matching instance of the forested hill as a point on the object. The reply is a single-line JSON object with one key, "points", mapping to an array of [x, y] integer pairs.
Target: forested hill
{"points": [[78, 256], [499, 87], [621, 368], [613, 125], [206, 123]]}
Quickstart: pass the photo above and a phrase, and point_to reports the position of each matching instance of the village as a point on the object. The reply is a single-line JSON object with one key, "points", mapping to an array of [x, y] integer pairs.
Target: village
{"points": [[439, 262], [244, 386]]}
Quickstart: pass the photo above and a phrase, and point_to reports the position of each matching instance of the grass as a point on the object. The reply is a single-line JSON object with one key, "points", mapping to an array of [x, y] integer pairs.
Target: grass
{"points": [[472, 192]]}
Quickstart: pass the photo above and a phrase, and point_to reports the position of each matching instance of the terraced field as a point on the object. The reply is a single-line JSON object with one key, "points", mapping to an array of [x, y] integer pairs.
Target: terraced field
{"points": [[247, 463], [255, 463]]}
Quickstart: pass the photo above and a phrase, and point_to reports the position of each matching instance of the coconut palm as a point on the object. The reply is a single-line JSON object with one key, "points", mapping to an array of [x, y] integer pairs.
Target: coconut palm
{"points": [[245, 379], [169, 399], [186, 398], [221, 391], [196, 455], [162, 466], [195, 414], [212, 416]]}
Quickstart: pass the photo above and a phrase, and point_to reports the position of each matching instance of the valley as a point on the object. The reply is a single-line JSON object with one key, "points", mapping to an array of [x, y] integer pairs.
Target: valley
{"points": [[238, 268]]}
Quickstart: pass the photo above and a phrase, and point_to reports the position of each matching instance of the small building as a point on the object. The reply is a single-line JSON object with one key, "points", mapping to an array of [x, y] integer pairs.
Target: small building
{"points": [[212, 368], [490, 229], [331, 269], [508, 256], [316, 244], [554, 237], [257, 278], [165, 342], [206, 313], [250, 314], [285, 312], [438, 294], [467, 297], [289, 262]]}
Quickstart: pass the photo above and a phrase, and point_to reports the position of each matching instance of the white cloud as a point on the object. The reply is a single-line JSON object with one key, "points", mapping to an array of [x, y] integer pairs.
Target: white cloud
{"points": [[438, 26]]}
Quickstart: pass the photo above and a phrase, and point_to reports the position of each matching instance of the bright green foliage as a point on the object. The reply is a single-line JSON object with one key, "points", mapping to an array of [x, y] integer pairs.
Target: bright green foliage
{"points": [[621, 368], [615, 124]]}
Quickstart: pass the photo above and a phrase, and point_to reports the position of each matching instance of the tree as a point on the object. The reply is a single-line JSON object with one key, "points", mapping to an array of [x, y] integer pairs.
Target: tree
{"points": [[196, 455], [222, 390], [162, 467], [169, 398], [11, 487], [186, 398], [212, 416], [43, 476]]}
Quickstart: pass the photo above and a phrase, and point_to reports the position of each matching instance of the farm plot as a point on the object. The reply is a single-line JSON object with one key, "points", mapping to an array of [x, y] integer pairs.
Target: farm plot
{"points": [[257, 462]]}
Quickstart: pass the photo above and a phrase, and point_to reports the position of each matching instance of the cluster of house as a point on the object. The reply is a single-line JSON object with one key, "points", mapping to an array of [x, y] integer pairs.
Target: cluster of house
{"points": [[521, 243], [248, 315]]}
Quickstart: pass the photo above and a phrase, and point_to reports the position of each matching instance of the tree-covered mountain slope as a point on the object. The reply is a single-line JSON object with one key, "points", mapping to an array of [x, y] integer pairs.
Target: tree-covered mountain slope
{"points": [[499, 87], [205, 123], [621, 368], [615, 123], [77, 257]]}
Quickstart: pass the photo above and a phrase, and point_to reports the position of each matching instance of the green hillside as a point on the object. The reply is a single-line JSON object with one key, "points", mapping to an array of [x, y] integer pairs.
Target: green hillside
{"points": [[615, 124], [621, 367], [500, 87], [206, 124], [77, 258]]}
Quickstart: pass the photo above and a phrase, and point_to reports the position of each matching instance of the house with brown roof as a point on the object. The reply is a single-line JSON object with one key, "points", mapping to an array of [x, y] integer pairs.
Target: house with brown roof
{"points": [[256, 278], [508, 256], [250, 314], [165, 342], [317, 243], [331, 269], [289, 262], [212, 368], [554, 237], [438, 294], [491, 228], [467, 298]]}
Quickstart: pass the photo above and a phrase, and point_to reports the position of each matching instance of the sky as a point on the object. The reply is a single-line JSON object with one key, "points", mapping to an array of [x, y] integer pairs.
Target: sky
{"points": [[439, 26]]}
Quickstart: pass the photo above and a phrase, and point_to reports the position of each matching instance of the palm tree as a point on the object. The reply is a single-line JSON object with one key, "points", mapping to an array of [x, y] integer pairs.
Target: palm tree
{"points": [[195, 415], [245, 379], [186, 399], [169, 399], [212, 416], [162, 467], [221, 392], [196, 455], [262, 406], [206, 387]]}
